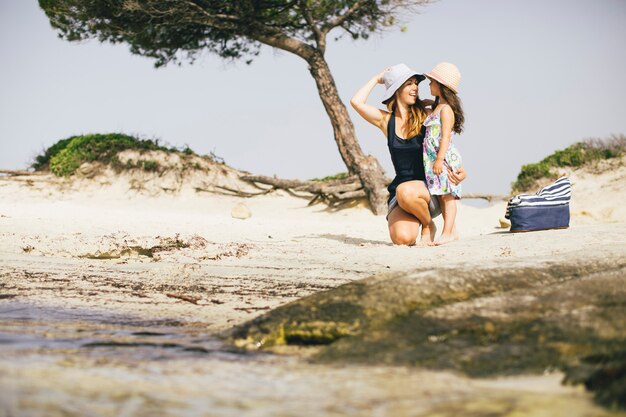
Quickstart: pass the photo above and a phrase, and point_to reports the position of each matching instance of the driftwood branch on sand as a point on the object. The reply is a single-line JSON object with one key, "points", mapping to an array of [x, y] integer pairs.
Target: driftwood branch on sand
{"points": [[232, 191], [17, 172], [333, 192]]}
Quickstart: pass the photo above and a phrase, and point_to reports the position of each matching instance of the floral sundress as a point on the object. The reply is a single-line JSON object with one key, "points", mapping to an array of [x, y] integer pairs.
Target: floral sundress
{"points": [[439, 184]]}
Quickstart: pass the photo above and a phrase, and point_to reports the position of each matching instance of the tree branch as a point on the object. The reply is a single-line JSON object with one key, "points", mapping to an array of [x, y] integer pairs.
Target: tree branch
{"points": [[320, 36], [196, 16], [338, 21], [286, 43], [17, 172], [213, 16]]}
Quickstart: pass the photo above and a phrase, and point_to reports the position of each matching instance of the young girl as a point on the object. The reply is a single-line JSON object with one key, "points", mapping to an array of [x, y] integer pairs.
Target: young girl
{"points": [[440, 154]]}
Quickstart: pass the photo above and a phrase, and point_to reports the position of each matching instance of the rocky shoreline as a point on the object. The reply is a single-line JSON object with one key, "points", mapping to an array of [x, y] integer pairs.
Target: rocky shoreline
{"points": [[483, 322]]}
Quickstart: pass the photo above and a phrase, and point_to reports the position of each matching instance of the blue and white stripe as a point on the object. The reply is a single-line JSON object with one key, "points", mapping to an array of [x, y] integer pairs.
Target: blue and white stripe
{"points": [[555, 194]]}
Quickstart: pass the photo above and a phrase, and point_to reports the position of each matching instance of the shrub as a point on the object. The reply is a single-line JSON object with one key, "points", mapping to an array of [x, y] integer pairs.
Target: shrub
{"points": [[576, 155], [150, 166], [43, 161], [65, 156], [102, 148]]}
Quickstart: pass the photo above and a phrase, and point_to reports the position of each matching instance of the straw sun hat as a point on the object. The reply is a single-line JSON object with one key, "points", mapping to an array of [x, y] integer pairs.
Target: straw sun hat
{"points": [[395, 76], [446, 74]]}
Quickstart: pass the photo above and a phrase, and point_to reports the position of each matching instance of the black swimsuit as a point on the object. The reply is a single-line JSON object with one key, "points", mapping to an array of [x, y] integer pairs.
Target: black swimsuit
{"points": [[406, 155]]}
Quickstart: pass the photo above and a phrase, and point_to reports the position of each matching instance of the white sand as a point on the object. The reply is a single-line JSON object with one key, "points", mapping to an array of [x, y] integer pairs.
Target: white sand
{"points": [[238, 269]]}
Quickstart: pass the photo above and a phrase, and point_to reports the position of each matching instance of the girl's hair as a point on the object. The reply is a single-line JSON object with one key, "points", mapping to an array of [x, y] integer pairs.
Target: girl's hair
{"points": [[454, 101], [417, 115]]}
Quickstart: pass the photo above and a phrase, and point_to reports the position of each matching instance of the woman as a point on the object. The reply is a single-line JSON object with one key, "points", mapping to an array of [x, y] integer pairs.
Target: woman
{"points": [[402, 123]]}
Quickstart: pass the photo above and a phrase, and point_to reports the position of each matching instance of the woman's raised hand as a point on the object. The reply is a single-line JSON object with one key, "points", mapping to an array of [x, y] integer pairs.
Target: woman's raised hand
{"points": [[380, 76]]}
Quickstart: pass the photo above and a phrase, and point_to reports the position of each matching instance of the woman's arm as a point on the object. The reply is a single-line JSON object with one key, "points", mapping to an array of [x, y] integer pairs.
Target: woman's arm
{"points": [[370, 113], [447, 121], [457, 176]]}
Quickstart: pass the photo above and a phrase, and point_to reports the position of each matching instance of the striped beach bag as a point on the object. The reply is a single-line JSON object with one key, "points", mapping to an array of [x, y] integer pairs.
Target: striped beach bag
{"points": [[548, 209]]}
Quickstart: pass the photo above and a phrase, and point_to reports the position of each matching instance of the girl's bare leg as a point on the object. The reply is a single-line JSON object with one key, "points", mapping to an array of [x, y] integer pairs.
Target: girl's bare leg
{"points": [[455, 233], [448, 204], [413, 198], [403, 227]]}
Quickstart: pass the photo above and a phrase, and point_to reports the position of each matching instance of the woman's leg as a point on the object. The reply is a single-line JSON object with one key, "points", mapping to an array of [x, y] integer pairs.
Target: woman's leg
{"points": [[413, 197], [403, 227], [448, 206]]}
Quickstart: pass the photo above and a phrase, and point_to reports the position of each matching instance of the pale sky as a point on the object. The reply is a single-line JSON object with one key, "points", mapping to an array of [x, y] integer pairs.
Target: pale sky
{"points": [[537, 75]]}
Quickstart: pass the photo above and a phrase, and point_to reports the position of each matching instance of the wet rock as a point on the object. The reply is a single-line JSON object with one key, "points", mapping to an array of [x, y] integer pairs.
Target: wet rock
{"points": [[483, 323], [241, 211]]}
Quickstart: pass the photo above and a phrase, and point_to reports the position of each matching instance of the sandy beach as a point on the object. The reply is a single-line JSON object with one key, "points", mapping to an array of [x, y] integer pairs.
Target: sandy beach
{"points": [[100, 254], [193, 199], [239, 268]]}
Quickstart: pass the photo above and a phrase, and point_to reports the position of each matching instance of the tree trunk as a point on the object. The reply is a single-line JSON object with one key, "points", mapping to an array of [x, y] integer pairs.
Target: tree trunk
{"points": [[366, 167]]}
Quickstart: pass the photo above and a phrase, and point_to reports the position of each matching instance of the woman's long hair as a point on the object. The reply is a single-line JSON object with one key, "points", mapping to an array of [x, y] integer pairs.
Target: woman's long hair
{"points": [[454, 101], [417, 115]]}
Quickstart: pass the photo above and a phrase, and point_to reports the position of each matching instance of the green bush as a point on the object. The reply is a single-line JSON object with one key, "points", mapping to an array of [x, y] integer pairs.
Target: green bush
{"points": [[96, 147], [150, 166], [65, 156], [576, 155], [43, 161]]}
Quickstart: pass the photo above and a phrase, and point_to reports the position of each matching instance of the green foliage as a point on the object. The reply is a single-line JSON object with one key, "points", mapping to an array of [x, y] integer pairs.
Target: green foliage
{"points": [[65, 156], [338, 176], [42, 161], [171, 31], [576, 155], [150, 166]]}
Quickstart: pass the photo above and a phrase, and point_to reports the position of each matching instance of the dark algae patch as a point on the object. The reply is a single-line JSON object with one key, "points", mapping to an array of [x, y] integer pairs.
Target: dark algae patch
{"points": [[483, 323], [320, 319], [166, 244]]}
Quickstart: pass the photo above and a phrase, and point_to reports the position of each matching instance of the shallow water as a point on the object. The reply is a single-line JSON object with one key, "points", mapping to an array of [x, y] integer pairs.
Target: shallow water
{"points": [[56, 362], [28, 328]]}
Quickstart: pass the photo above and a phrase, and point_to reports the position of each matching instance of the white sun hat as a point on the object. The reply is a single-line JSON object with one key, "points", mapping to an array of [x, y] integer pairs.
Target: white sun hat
{"points": [[395, 76]]}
